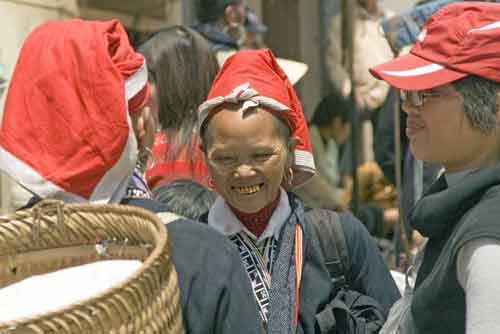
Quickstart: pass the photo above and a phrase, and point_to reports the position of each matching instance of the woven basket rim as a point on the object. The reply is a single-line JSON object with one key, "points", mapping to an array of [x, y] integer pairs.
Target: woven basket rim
{"points": [[126, 212]]}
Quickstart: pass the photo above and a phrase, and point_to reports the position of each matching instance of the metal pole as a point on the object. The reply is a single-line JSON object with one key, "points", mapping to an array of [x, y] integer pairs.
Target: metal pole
{"points": [[397, 166], [347, 59], [400, 237]]}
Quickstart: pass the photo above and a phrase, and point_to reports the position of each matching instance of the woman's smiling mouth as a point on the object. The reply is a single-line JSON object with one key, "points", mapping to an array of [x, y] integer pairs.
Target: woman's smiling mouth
{"points": [[413, 127], [248, 190]]}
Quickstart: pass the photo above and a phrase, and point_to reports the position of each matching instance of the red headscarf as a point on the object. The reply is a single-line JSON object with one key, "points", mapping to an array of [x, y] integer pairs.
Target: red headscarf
{"points": [[254, 78], [66, 131]]}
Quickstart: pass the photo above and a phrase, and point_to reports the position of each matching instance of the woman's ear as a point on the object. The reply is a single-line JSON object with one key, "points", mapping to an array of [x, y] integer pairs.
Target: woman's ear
{"points": [[292, 144], [144, 128], [138, 127]]}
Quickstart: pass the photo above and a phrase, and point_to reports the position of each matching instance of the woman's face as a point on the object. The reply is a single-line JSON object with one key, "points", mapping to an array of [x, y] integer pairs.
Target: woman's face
{"points": [[247, 156], [440, 132]]}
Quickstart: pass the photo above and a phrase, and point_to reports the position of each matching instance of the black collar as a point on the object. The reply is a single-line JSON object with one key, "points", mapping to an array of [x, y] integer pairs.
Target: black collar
{"points": [[442, 207]]}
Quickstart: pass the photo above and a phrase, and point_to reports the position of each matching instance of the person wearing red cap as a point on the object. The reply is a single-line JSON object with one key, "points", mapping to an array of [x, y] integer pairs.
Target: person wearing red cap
{"points": [[450, 84], [74, 120], [256, 144]]}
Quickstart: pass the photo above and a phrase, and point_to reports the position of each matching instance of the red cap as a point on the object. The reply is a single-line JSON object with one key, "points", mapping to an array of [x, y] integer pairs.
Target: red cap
{"points": [[66, 129], [254, 78], [461, 39]]}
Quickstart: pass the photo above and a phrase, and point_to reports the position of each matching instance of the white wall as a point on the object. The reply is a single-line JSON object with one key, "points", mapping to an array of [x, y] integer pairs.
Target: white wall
{"points": [[397, 6]]}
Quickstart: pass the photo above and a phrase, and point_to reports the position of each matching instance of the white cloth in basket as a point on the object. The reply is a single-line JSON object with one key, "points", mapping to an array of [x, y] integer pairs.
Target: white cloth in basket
{"points": [[52, 291]]}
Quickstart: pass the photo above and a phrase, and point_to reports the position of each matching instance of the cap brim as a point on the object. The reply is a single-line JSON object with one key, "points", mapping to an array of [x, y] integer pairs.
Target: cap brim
{"points": [[410, 72], [294, 70]]}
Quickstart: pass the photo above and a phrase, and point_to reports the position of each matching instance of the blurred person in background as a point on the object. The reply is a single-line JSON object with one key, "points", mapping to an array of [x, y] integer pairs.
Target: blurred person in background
{"points": [[370, 48], [181, 69], [329, 130], [254, 31], [186, 198], [222, 23], [75, 118]]}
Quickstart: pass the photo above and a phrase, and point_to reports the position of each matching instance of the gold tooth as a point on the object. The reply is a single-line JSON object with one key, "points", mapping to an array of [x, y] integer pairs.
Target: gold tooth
{"points": [[249, 189]]}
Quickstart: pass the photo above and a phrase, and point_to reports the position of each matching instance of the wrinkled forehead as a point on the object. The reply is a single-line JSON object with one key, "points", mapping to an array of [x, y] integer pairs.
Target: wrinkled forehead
{"points": [[231, 118]]}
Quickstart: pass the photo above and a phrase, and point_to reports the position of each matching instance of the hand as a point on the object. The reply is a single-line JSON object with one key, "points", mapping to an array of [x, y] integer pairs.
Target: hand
{"points": [[360, 101]]}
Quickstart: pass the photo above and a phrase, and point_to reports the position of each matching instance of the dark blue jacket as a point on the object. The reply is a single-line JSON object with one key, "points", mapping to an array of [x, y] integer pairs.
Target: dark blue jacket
{"points": [[216, 295], [219, 40], [368, 273]]}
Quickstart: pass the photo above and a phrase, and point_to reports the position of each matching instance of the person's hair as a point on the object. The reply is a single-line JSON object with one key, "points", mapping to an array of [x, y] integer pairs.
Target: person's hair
{"points": [[480, 101], [182, 66], [330, 107], [212, 10], [282, 126], [185, 197]]}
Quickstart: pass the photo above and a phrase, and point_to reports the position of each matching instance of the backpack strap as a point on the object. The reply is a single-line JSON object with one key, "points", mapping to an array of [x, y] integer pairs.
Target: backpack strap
{"points": [[333, 245]]}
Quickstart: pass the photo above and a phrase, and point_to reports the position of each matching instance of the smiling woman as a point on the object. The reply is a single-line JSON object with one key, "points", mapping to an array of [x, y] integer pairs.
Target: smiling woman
{"points": [[248, 157], [256, 145]]}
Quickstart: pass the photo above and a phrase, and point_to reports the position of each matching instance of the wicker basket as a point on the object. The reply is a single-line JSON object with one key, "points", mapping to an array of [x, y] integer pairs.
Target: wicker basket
{"points": [[53, 235]]}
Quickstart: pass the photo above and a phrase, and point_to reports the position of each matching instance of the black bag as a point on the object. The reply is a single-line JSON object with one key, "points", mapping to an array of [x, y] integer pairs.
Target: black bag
{"points": [[349, 312]]}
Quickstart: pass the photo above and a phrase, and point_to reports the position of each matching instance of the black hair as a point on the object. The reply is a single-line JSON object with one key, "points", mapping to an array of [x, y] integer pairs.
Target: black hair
{"points": [[182, 66], [332, 106], [212, 10], [185, 197]]}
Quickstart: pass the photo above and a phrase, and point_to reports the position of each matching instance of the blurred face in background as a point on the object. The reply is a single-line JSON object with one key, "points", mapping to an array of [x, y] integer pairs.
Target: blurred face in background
{"points": [[234, 17], [341, 130]]}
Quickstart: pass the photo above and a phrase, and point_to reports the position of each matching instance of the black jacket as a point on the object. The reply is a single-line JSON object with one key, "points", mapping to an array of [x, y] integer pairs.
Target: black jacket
{"points": [[219, 40], [216, 295], [451, 217]]}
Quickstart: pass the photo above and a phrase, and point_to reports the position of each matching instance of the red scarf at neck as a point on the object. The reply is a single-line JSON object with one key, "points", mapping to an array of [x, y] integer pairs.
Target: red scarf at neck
{"points": [[256, 222]]}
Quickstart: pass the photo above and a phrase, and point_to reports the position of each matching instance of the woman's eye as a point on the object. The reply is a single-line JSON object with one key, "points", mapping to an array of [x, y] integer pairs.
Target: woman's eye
{"points": [[225, 159], [262, 156]]}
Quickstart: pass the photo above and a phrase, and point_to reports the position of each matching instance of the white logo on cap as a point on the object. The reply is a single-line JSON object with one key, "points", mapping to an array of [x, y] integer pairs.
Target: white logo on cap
{"points": [[422, 35]]}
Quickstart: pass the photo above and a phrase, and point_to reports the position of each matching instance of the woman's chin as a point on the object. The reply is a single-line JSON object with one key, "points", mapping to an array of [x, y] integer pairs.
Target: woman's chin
{"points": [[247, 207]]}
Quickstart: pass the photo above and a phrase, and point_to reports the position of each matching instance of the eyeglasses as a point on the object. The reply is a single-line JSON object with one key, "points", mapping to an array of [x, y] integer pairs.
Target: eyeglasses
{"points": [[416, 97]]}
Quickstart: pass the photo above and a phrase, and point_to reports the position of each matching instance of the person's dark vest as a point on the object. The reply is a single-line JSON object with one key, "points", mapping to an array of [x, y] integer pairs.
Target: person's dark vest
{"points": [[451, 217]]}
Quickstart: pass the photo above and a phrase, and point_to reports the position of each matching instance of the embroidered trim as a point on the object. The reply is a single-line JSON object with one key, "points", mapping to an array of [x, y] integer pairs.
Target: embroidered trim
{"points": [[258, 264]]}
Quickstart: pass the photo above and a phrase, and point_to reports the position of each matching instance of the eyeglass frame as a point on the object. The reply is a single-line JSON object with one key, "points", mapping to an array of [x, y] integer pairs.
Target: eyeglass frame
{"points": [[416, 97]]}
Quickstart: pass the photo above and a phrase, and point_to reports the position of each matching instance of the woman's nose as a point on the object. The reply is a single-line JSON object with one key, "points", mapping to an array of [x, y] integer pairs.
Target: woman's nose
{"points": [[244, 170]]}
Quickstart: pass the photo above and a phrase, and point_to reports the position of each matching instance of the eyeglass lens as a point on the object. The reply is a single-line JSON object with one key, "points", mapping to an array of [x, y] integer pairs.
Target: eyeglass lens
{"points": [[415, 98]]}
